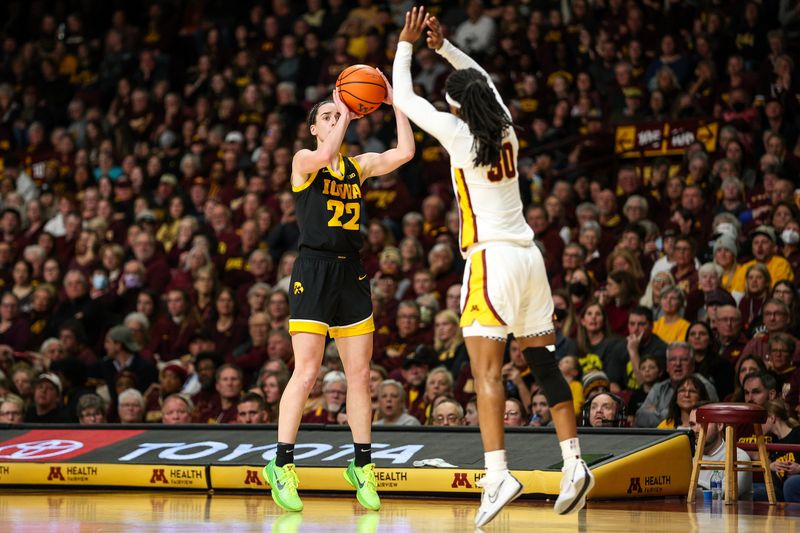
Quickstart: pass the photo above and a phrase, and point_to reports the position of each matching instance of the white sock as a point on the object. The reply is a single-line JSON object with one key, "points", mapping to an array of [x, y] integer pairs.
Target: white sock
{"points": [[570, 450], [496, 465]]}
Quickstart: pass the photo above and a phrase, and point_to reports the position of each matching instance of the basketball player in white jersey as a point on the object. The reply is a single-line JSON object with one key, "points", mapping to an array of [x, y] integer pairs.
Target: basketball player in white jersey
{"points": [[505, 287]]}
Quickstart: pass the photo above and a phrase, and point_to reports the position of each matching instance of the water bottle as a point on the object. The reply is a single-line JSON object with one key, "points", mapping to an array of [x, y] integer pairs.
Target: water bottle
{"points": [[716, 485], [536, 420]]}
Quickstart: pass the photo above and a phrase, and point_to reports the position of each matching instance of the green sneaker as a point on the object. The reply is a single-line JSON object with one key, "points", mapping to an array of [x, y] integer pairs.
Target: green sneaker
{"points": [[283, 482], [363, 480]]}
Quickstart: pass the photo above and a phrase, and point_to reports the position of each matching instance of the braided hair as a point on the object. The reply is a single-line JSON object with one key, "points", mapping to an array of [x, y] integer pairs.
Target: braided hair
{"points": [[486, 118]]}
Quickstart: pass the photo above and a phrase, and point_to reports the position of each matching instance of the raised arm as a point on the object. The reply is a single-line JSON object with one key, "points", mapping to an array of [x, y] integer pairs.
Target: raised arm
{"points": [[420, 111], [307, 161], [458, 59], [374, 164]]}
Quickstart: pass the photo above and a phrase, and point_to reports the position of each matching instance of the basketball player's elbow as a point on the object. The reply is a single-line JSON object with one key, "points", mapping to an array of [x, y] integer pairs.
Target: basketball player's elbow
{"points": [[404, 155]]}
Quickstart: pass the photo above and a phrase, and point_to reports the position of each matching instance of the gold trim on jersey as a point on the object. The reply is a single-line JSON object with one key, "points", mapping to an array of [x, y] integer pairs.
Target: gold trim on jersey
{"points": [[477, 305], [307, 183], [359, 328], [307, 326], [469, 225], [358, 168], [340, 175]]}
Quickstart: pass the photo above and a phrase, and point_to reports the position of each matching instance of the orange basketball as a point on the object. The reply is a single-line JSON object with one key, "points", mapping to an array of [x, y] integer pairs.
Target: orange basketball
{"points": [[361, 88]]}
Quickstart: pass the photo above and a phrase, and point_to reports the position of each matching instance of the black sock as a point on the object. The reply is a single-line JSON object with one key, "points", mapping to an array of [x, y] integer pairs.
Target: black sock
{"points": [[285, 454], [363, 453]]}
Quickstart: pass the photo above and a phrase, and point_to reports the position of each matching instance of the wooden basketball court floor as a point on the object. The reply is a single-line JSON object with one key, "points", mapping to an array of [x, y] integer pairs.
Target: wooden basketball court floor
{"points": [[141, 512]]}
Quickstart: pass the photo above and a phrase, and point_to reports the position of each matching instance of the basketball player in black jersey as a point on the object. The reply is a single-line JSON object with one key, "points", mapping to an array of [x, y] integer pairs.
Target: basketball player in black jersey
{"points": [[329, 290]]}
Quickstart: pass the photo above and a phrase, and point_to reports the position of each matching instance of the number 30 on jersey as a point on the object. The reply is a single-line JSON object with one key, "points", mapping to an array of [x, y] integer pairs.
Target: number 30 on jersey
{"points": [[505, 166]]}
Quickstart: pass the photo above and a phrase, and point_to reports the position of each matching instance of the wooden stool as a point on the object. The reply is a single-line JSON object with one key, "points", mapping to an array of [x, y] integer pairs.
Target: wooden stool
{"points": [[731, 414]]}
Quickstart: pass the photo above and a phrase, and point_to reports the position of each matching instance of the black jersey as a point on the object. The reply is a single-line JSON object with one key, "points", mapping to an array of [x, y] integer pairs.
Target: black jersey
{"points": [[329, 208]]}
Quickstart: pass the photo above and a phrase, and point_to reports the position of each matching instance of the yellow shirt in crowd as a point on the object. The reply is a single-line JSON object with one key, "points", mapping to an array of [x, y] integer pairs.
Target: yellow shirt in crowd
{"points": [[671, 332], [778, 267]]}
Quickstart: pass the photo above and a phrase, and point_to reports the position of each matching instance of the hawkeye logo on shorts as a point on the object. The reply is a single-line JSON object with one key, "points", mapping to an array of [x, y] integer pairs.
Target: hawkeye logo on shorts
{"points": [[298, 287]]}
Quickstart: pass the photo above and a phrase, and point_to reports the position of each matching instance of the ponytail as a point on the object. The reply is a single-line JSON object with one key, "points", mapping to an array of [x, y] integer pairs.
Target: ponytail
{"points": [[480, 110], [780, 410]]}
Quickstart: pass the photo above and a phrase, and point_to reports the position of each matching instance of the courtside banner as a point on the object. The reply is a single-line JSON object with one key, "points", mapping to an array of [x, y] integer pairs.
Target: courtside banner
{"points": [[424, 460], [54, 475]]}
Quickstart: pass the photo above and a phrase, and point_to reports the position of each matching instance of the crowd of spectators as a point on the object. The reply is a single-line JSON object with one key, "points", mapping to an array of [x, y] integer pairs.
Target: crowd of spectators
{"points": [[148, 231]]}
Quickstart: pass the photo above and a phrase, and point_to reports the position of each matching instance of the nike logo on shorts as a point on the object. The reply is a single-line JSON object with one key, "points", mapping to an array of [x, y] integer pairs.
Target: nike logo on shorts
{"points": [[362, 277]]}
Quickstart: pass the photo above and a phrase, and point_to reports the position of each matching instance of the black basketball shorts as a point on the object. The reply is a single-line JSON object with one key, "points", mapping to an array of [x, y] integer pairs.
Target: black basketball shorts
{"points": [[329, 293]]}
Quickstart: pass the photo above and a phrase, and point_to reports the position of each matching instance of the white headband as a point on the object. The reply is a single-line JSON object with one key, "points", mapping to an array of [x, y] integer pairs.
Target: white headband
{"points": [[451, 101]]}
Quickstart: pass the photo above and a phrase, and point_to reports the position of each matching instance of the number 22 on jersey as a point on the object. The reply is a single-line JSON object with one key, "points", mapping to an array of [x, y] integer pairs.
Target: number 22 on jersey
{"points": [[350, 210]]}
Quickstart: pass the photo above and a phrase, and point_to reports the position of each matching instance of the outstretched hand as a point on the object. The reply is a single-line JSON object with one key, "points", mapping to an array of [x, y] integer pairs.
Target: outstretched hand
{"points": [[416, 20], [435, 36]]}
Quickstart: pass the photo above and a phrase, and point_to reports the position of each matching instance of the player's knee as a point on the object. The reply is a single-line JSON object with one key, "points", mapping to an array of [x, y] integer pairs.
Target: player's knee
{"points": [[489, 374], [305, 378], [358, 376], [544, 368]]}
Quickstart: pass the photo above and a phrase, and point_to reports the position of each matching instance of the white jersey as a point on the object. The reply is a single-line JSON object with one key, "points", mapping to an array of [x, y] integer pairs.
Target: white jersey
{"points": [[489, 202]]}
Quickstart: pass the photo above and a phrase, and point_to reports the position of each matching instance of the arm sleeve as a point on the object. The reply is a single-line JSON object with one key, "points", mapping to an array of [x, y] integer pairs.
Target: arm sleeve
{"points": [[460, 61], [441, 125]]}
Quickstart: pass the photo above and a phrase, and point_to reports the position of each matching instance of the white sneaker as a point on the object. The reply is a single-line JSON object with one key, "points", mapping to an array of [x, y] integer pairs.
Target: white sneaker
{"points": [[495, 496], [576, 482]]}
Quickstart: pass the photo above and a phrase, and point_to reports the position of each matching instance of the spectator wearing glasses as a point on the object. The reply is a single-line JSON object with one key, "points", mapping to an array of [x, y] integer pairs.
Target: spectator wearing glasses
{"points": [[12, 409], [776, 318], [130, 407], [448, 412], [786, 291], [728, 326], [334, 393], [688, 394], [91, 409], [680, 363], [438, 383], [514, 414], [779, 361]]}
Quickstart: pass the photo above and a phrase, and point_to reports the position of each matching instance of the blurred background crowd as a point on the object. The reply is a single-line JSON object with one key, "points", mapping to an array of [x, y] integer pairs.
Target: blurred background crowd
{"points": [[148, 231]]}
